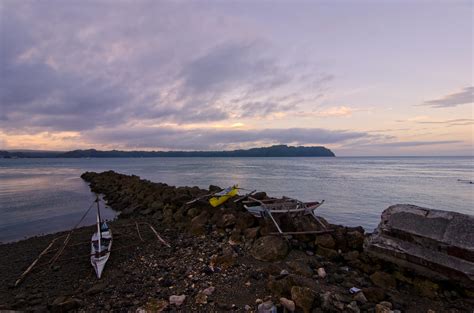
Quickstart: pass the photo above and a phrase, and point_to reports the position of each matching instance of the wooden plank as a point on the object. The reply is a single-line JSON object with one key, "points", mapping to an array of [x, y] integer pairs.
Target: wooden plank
{"points": [[304, 232]]}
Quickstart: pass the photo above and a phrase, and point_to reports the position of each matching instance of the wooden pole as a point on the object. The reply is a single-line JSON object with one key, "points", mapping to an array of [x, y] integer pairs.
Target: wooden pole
{"points": [[18, 281], [158, 236], [138, 231]]}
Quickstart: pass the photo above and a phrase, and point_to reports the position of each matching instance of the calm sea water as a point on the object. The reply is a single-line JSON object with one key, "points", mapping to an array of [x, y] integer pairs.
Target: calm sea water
{"points": [[47, 195]]}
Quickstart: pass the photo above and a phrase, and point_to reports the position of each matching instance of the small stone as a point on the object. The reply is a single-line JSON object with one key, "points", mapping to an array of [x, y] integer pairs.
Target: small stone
{"points": [[288, 304], [284, 272], [247, 307], [322, 272], [209, 290], [310, 253], [177, 300]]}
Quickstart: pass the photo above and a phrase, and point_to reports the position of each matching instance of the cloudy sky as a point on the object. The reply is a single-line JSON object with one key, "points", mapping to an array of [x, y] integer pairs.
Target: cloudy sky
{"points": [[362, 78]]}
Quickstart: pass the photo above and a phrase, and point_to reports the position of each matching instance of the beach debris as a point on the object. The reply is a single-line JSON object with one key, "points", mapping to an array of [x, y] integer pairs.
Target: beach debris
{"points": [[322, 272], [354, 290], [289, 305], [438, 244], [177, 300]]}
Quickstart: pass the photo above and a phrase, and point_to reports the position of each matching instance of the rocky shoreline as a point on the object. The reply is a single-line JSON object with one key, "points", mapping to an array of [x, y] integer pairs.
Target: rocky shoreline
{"points": [[220, 259]]}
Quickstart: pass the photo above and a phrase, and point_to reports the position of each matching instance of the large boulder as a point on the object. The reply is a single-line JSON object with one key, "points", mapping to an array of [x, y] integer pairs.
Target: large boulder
{"points": [[269, 248], [434, 243]]}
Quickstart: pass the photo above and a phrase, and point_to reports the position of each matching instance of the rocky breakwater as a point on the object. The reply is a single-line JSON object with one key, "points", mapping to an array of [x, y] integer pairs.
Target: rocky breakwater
{"points": [[136, 198], [303, 273]]}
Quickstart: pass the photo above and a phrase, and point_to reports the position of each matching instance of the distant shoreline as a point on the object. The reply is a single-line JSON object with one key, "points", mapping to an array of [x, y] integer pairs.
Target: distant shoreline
{"points": [[273, 151]]}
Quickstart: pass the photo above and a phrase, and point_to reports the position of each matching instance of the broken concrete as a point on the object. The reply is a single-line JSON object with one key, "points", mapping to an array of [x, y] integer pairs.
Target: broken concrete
{"points": [[437, 244]]}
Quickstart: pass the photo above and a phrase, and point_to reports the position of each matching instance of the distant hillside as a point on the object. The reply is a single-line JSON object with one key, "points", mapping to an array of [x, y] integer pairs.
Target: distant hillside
{"points": [[28, 154], [273, 151]]}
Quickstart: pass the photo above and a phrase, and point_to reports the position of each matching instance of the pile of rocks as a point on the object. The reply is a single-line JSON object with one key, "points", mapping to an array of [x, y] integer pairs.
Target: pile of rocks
{"points": [[134, 197]]}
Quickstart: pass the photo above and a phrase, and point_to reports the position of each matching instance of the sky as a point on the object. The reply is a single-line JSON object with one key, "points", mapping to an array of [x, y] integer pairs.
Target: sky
{"points": [[362, 78]]}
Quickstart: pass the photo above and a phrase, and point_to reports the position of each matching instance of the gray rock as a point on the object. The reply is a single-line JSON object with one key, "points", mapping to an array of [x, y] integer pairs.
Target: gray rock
{"points": [[269, 248], [434, 243]]}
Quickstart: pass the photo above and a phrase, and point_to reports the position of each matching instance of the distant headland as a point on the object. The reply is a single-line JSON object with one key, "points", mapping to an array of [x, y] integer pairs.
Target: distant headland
{"points": [[273, 151]]}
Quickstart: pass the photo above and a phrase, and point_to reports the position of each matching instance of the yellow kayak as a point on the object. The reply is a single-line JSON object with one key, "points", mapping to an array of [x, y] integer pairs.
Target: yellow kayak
{"points": [[224, 195]]}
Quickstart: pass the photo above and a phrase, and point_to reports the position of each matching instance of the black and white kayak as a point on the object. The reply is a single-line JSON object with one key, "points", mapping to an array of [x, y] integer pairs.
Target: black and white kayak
{"points": [[101, 245]]}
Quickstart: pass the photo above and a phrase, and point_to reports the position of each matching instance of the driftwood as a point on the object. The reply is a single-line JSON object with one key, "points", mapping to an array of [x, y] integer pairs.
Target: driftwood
{"points": [[138, 231], [158, 236], [18, 281]]}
